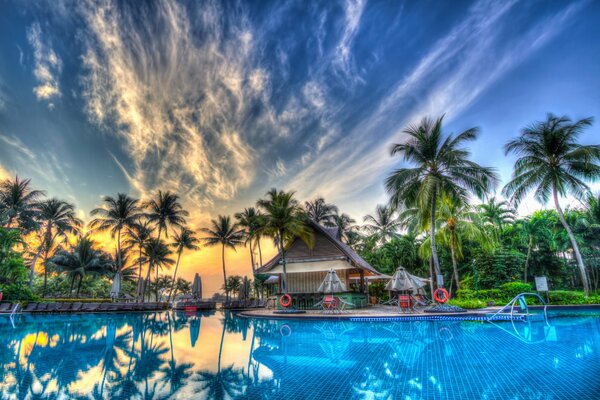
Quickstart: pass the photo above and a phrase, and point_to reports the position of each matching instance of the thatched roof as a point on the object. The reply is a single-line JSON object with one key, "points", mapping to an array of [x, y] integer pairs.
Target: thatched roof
{"points": [[327, 246]]}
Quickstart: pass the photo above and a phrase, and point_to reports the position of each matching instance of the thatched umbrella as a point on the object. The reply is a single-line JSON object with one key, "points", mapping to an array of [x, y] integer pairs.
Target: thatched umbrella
{"points": [[331, 283], [403, 281], [197, 287]]}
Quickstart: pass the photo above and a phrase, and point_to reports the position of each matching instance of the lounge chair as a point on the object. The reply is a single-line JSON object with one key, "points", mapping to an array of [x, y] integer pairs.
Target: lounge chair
{"points": [[31, 307], [262, 303], [344, 305], [5, 307], [422, 300], [89, 307], [76, 306], [53, 307], [42, 307]]}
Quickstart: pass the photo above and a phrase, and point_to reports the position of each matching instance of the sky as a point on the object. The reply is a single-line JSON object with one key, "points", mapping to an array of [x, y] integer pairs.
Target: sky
{"points": [[219, 100]]}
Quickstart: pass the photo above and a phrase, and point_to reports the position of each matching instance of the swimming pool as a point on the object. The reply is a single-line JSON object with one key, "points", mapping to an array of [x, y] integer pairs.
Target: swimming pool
{"points": [[173, 355]]}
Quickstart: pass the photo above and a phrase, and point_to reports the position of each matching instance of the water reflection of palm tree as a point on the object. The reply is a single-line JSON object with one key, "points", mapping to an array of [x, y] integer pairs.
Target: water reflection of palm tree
{"points": [[224, 382], [175, 375]]}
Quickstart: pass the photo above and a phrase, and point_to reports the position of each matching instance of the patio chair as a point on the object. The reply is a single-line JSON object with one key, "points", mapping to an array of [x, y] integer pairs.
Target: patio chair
{"points": [[406, 303], [344, 305], [63, 307], [4, 307], [331, 304], [422, 300], [76, 306], [262, 303], [31, 307]]}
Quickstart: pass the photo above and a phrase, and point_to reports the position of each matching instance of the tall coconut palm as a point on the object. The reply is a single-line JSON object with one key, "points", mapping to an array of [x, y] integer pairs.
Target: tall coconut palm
{"points": [[552, 163], [159, 251], [82, 260], [164, 211], [225, 233], [56, 219], [285, 220], [117, 214], [182, 240], [320, 211], [18, 203], [138, 236], [384, 224], [441, 166], [250, 221]]}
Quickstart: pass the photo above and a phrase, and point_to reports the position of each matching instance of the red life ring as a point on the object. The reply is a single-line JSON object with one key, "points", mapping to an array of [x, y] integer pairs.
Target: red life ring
{"points": [[287, 302], [437, 298]]}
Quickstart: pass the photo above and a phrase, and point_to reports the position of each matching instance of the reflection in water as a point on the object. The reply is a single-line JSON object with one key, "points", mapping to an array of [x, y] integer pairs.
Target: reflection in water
{"points": [[220, 356]]}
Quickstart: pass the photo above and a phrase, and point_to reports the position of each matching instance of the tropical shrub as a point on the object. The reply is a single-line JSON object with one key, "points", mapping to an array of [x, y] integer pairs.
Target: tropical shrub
{"points": [[499, 267], [14, 292]]}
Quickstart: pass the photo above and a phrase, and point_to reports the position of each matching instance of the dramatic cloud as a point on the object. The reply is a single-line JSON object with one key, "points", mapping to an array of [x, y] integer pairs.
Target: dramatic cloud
{"points": [[47, 66]]}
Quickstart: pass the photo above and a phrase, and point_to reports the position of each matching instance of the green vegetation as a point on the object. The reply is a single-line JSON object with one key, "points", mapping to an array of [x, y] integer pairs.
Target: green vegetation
{"points": [[442, 218]]}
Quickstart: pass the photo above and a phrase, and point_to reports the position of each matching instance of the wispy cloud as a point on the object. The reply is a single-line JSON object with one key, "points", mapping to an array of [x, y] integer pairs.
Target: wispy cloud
{"points": [[453, 73], [47, 65], [353, 10]]}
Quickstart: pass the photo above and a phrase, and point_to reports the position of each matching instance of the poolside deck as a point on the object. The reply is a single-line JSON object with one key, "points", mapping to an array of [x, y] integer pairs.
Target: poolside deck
{"points": [[373, 312]]}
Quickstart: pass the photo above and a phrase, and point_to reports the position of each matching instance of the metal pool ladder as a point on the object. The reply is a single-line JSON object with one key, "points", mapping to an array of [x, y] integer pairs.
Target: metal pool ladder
{"points": [[520, 299], [16, 310]]}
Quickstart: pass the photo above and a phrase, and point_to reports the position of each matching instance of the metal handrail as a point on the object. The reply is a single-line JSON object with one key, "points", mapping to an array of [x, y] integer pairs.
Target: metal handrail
{"points": [[513, 302], [12, 314]]}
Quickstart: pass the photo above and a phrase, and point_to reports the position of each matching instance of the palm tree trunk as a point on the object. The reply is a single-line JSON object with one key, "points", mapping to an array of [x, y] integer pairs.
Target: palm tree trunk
{"points": [[529, 246], [174, 275], [79, 285], [282, 249], [582, 271], [151, 264], [224, 272], [454, 262], [251, 255], [259, 251], [33, 262], [119, 260], [434, 255], [72, 284], [221, 349]]}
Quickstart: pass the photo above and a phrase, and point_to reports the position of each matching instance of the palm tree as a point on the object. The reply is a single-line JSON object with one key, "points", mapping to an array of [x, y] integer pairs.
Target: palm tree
{"points": [[56, 218], [383, 225], [441, 167], [18, 203], [285, 220], [458, 222], [160, 252], [344, 223], [552, 163], [497, 213], [138, 236], [82, 260], [164, 211], [532, 230], [183, 240], [119, 213], [225, 233], [320, 211], [249, 220]]}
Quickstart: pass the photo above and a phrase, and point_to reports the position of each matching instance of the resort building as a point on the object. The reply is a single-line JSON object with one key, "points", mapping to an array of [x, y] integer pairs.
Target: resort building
{"points": [[306, 267]]}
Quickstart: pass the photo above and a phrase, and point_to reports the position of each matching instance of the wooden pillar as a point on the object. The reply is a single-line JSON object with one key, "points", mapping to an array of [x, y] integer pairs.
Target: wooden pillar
{"points": [[362, 281]]}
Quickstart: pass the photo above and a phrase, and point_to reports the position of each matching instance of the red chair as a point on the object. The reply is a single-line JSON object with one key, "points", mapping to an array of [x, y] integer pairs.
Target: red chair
{"points": [[406, 303], [331, 303]]}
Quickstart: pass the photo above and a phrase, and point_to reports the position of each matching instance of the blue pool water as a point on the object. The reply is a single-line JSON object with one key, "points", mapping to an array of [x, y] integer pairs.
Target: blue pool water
{"points": [[172, 355]]}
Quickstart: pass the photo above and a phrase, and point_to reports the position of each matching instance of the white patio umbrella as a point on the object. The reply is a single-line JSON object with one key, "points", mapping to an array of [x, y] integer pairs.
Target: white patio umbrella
{"points": [[331, 283], [197, 287], [116, 286], [403, 281]]}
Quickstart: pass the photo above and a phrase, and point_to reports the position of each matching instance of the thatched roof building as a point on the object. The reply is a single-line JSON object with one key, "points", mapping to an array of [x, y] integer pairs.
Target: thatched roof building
{"points": [[306, 267]]}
